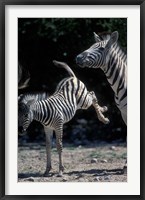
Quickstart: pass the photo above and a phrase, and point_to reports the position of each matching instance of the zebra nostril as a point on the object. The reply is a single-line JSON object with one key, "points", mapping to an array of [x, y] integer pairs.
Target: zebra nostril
{"points": [[79, 59], [20, 129]]}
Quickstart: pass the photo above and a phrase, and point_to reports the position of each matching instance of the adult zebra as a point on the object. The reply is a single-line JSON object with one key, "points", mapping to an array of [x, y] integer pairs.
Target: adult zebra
{"points": [[107, 55], [70, 95]]}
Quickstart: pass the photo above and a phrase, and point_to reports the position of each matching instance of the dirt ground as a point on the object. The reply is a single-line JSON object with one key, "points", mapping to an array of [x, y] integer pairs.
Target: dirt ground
{"points": [[101, 162]]}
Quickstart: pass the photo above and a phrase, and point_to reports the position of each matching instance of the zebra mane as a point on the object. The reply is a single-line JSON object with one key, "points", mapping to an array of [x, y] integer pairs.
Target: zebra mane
{"points": [[106, 36], [25, 98]]}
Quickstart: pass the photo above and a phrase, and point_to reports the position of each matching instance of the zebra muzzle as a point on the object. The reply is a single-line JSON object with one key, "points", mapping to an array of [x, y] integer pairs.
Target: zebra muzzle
{"points": [[79, 60], [21, 131]]}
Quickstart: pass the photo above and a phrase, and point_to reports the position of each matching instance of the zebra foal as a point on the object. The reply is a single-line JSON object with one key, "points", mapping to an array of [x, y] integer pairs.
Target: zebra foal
{"points": [[70, 95], [24, 98]]}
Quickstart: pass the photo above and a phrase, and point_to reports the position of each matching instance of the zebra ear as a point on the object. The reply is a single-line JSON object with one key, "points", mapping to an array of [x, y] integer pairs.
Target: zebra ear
{"points": [[97, 38], [113, 39], [30, 102]]}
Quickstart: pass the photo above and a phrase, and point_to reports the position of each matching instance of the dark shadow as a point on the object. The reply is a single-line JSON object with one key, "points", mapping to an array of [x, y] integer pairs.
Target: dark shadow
{"points": [[36, 175], [94, 172], [98, 172], [27, 175]]}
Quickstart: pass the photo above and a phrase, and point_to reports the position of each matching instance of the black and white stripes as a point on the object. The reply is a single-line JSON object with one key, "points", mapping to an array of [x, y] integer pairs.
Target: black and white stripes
{"points": [[107, 55], [70, 95]]}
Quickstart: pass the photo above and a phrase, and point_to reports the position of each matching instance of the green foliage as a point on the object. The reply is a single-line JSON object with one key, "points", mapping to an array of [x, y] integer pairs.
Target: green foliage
{"points": [[55, 28], [63, 38]]}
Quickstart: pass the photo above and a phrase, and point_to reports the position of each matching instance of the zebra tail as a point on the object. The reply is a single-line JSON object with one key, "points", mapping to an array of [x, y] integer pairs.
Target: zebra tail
{"points": [[65, 66]]}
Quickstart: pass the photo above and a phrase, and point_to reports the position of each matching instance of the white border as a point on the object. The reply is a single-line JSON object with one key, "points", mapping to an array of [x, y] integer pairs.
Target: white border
{"points": [[132, 187]]}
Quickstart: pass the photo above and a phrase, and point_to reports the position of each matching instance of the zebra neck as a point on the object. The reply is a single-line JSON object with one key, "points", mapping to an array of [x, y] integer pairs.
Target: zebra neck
{"points": [[34, 112], [115, 70]]}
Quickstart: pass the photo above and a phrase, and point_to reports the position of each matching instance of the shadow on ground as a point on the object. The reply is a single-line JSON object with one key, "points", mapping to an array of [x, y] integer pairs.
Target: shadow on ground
{"points": [[91, 171]]}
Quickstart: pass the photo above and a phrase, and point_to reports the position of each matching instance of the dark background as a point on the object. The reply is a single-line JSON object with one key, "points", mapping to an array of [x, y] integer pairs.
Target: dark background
{"points": [[44, 39]]}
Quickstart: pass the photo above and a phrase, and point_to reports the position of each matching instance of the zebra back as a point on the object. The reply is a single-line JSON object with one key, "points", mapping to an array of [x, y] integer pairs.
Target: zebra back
{"points": [[72, 89]]}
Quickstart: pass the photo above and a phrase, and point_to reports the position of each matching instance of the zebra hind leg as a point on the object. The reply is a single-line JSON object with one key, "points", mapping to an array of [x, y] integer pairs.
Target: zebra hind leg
{"points": [[48, 134], [99, 110]]}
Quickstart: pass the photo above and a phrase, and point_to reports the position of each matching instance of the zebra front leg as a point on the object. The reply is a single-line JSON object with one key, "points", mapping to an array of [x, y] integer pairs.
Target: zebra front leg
{"points": [[59, 133], [48, 133], [99, 110]]}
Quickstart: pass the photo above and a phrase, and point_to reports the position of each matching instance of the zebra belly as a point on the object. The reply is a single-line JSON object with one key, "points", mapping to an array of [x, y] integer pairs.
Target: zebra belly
{"points": [[70, 115]]}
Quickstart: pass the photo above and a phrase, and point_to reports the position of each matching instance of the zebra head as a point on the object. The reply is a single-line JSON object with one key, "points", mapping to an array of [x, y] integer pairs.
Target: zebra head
{"points": [[97, 56], [25, 116]]}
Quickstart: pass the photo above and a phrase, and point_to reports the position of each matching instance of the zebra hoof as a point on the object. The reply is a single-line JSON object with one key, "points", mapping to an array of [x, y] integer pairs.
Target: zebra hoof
{"points": [[47, 174], [107, 121], [105, 109], [60, 174], [61, 169]]}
